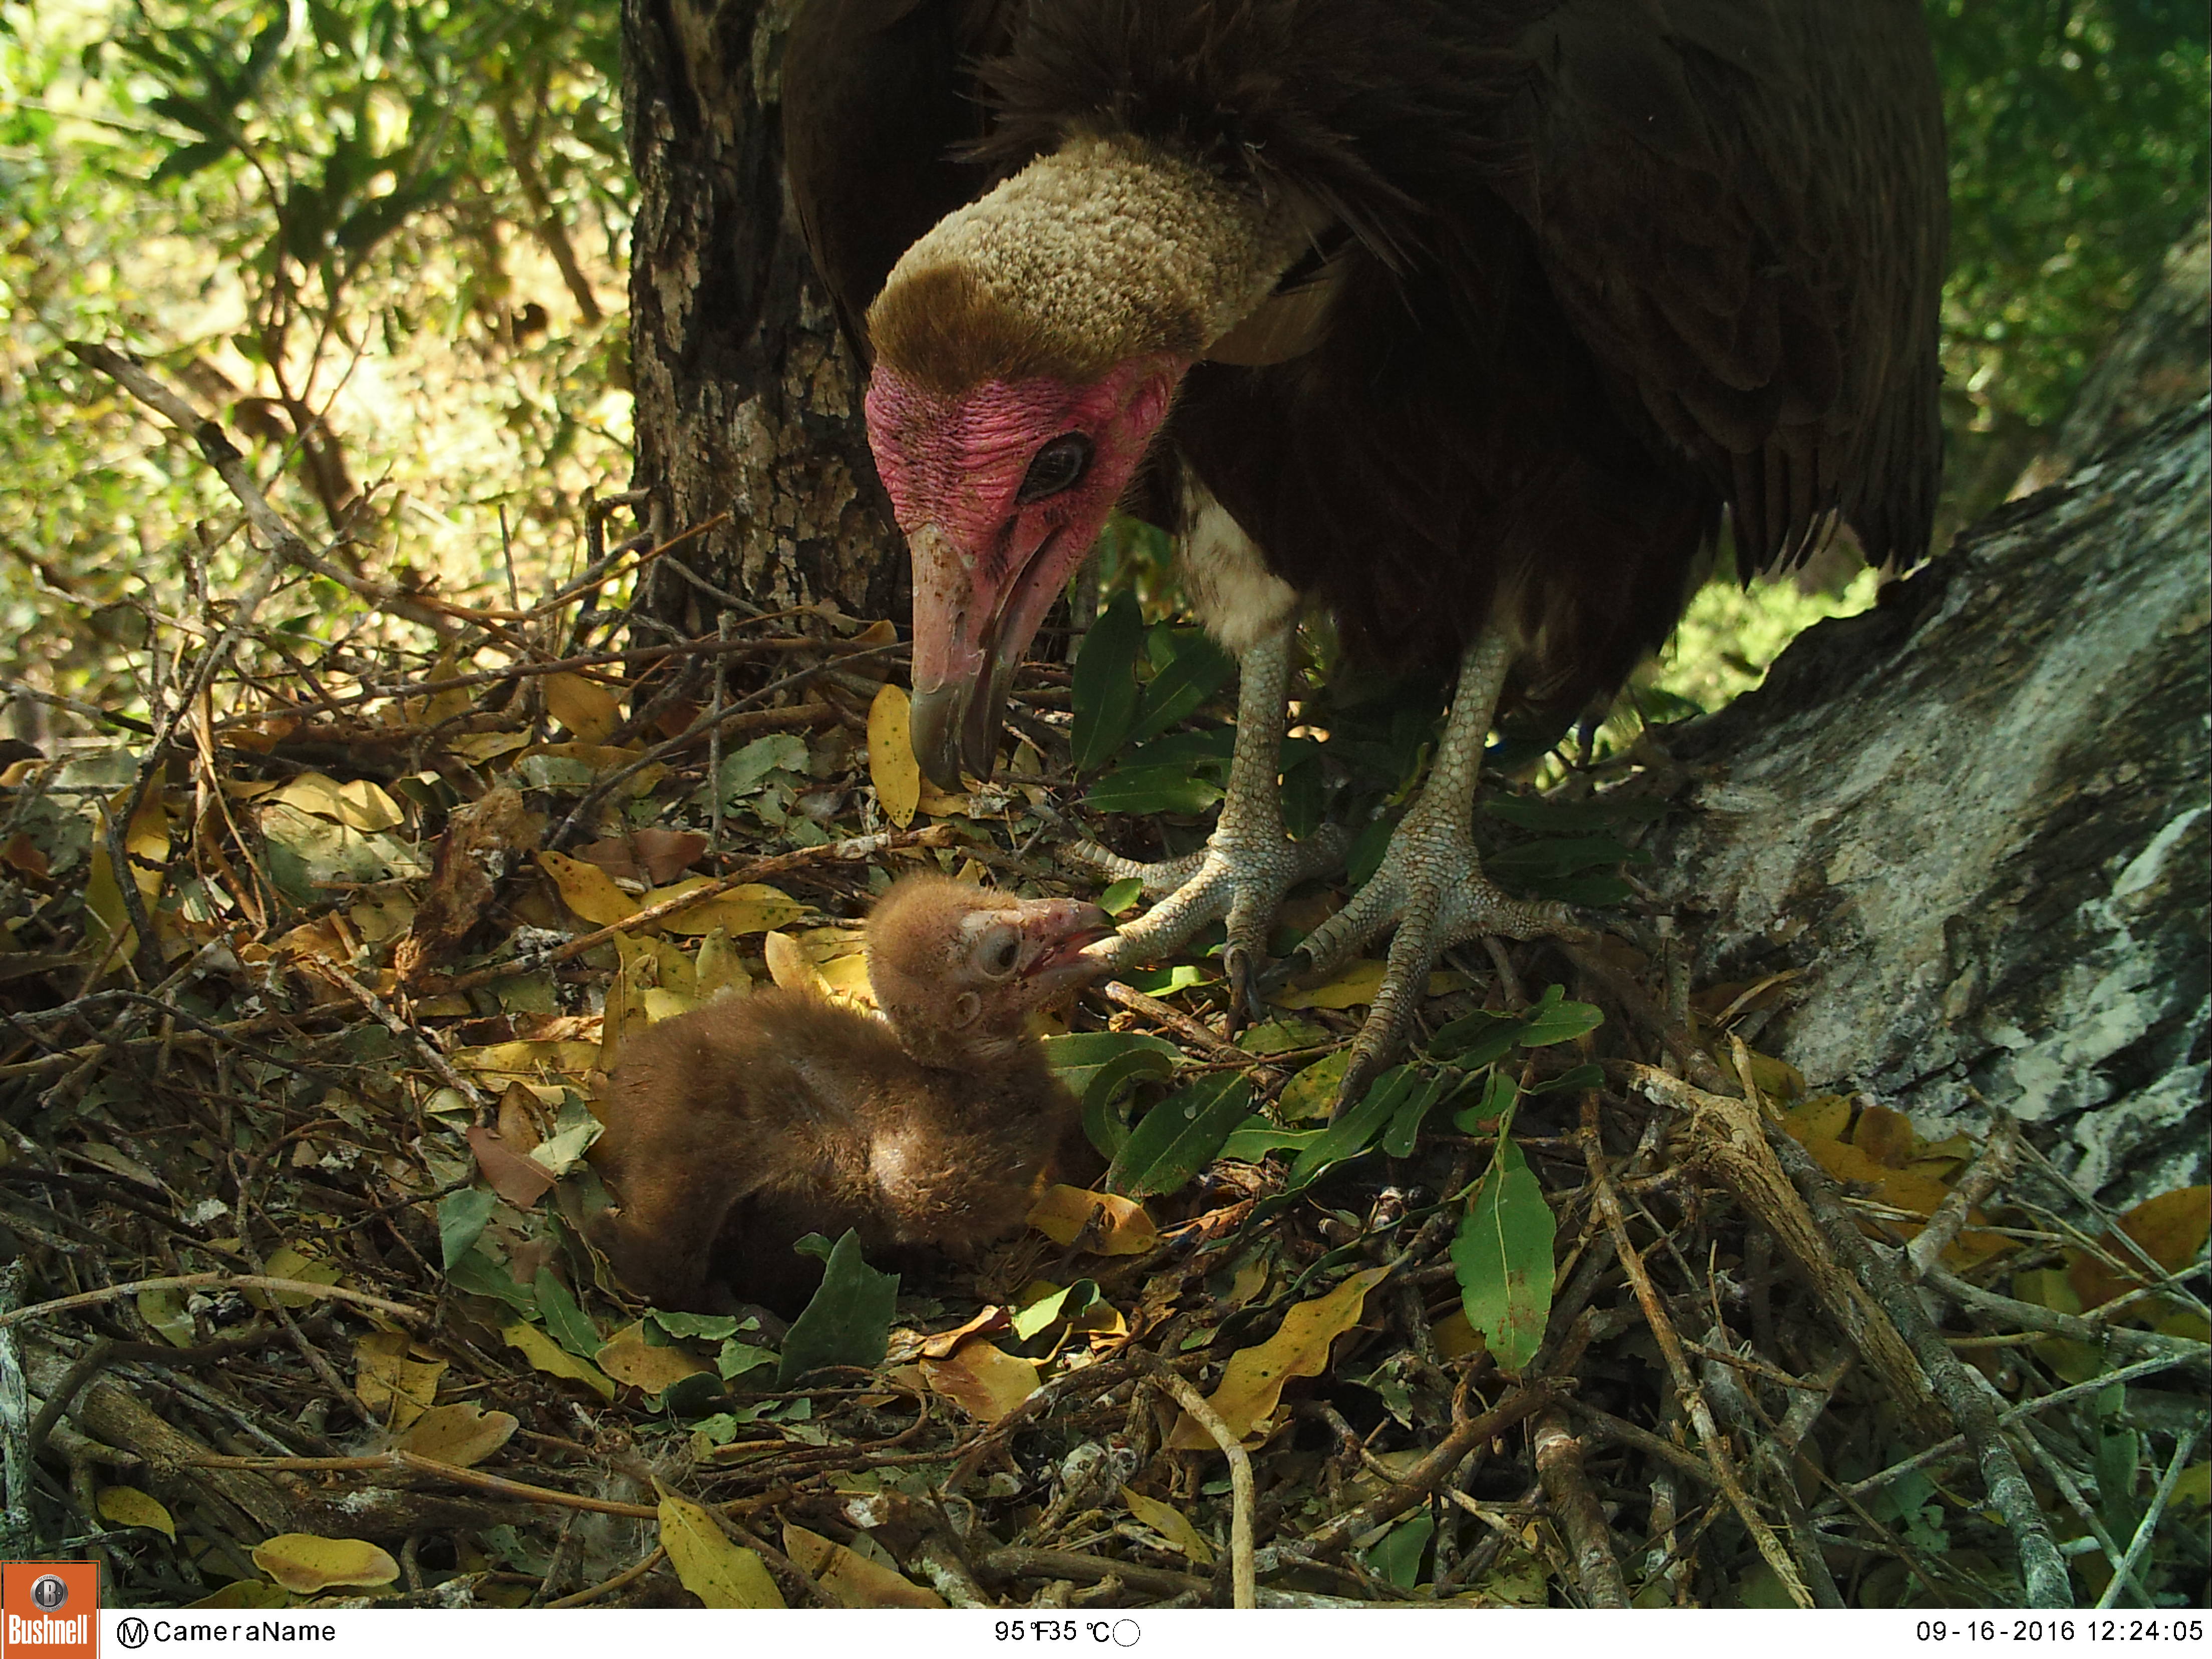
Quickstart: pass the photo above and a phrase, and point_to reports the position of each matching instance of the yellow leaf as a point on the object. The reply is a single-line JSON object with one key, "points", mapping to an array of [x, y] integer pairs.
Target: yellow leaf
{"points": [[754, 907], [982, 1379], [550, 1357], [718, 968], [1062, 1213], [720, 1573], [303, 1562], [790, 968], [463, 1434], [2171, 1229], [1171, 1523], [146, 840], [1454, 1336], [1252, 1382], [892, 765], [1312, 1092], [127, 1506], [245, 1593], [359, 805], [393, 1387], [588, 709], [287, 1262], [587, 889], [627, 1357], [164, 1310], [501, 1063], [848, 1577], [1355, 985]]}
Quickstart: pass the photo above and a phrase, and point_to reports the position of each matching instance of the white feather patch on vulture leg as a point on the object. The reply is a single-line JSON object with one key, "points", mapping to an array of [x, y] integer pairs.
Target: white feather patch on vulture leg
{"points": [[1248, 864], [1430, 882]]}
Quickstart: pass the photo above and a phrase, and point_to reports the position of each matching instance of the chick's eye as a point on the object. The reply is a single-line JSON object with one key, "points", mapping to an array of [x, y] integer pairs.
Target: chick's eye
{"points": [[1059, 465], [1000, 955]]}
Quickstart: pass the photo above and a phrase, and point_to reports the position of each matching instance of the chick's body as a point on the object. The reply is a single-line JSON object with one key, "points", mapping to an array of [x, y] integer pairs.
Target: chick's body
{"points": [[737, 1129]]}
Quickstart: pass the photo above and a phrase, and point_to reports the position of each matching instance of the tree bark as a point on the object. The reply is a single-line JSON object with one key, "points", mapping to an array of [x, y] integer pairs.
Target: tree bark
{"points": [[747, 401], [1974, 820]]}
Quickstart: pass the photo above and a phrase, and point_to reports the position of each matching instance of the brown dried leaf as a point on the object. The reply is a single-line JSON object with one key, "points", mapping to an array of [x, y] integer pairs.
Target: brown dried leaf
{"points": [[515, 1177]]}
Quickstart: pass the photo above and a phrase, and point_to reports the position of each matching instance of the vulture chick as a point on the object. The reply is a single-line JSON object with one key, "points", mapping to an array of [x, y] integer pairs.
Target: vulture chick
{"points": [[1473, 321], [737, 1129]]}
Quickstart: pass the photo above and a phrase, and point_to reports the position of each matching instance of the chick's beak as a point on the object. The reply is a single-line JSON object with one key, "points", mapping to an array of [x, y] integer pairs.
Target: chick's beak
{"points": [[1054, 935]]}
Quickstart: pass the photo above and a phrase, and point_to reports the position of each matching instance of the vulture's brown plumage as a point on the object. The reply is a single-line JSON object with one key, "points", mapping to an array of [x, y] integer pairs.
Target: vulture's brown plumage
{"points": [[1470, 319], [737, 1129]]}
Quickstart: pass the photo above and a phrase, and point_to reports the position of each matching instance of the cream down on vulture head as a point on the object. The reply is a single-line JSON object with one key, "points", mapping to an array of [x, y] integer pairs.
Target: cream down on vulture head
{"points": [[735, 1130], [1472, 321]]}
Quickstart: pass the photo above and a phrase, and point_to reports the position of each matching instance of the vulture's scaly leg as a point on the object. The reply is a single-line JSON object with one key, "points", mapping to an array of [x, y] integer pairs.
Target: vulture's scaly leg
{"points": [[1249, 864], [1430, 882]]}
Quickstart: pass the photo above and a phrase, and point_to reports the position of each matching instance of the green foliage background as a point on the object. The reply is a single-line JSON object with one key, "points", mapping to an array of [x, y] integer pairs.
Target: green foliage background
{"points": [[412, 213]]}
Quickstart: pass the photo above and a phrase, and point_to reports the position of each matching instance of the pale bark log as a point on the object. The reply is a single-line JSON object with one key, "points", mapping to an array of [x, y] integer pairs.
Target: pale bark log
{"points": [[1974, 819]]}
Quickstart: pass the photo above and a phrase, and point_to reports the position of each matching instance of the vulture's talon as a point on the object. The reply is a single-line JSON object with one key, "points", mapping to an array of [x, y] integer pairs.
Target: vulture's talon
{"points": [[1241, 874]]}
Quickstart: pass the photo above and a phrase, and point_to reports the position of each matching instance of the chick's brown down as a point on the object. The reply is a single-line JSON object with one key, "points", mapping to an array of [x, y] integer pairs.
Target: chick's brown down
{"points": [[735, 1130]]}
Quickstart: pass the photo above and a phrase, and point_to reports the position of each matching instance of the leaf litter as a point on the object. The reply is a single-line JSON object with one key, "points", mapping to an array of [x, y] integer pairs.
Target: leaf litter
{"points": [[302, 1115]]}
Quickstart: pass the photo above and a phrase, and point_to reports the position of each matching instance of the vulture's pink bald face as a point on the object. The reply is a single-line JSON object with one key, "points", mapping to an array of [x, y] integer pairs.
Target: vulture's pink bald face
{"points": [[1000, 489]]}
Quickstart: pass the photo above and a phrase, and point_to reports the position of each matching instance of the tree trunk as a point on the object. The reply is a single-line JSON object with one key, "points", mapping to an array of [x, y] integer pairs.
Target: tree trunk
{"points": [[747, 402], [1974, 820]]}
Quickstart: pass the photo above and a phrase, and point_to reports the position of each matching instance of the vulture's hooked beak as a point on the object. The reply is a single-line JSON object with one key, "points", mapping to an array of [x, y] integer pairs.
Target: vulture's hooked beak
{"points": [[968, 641]]}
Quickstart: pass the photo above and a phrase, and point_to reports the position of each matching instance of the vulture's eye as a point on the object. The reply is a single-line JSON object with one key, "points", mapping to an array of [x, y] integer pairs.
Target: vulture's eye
{"points": [[1059, 465], [1001, 953]]}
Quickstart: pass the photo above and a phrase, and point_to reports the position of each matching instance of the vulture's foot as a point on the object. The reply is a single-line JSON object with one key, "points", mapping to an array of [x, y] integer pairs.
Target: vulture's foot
{"points": [[1240, 876], [1430, 884], [1242, 873]]}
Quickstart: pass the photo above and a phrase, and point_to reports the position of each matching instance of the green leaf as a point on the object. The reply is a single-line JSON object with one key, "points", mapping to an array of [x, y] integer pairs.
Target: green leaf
{"points": [[1104, 688], [707, 1327], [565, 1322], [1397, 1557], [1556, 857], [1482, 1117], [1575, 1077], [1047, 1311], [1152, 789], [1098, 1067], [1565, 818], [1255, 1136], [461, 1218], [1180, 1136], [848, 1322], [1121, 897], [1476, 1040], [1503, 1258], [187, 158], [1352, 1134], [1312, 1092], [1275, 1036], [1165, 981], [478, 1274], [1554, 1020], [1405, 1122], [1197, 669], [1210, 747]]}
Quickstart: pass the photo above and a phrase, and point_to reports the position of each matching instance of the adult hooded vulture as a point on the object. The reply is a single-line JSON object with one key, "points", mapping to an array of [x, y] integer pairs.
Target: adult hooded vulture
{"points": [[1470, 319]]}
